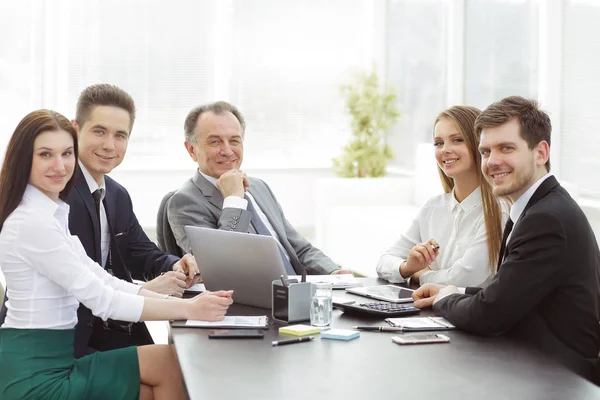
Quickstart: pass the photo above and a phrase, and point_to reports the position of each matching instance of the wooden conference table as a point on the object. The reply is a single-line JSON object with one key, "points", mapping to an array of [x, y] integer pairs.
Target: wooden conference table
{"points": [[370, 367]]}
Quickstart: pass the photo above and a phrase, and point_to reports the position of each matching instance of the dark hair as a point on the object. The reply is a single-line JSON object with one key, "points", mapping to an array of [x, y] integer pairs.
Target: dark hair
{"points": [[103, 94], [16, 168], [463, 117], [218, 108], [535, 123]]}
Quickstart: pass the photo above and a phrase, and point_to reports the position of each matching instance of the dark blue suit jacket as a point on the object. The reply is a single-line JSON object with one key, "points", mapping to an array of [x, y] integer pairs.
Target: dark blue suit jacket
{"points": [[133, 255]]}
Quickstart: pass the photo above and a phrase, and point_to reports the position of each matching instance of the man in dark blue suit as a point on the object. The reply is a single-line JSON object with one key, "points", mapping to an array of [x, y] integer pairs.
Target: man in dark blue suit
{"points": [[101, 215]]}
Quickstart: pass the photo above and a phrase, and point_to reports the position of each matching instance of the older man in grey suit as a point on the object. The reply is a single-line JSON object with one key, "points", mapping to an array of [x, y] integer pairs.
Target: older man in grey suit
{"points": [[221, 196]]}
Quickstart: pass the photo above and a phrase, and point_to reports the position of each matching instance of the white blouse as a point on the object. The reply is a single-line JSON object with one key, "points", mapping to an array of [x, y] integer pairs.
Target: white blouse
{"points": [[48, 272], [459, 228]]}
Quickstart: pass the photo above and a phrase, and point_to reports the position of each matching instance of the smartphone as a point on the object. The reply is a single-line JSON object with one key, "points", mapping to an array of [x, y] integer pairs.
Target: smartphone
{"points": [[419, 338], [236, 334]]}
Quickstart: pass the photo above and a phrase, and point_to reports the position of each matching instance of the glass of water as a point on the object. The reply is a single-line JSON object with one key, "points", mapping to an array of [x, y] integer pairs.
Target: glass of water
{"points": [[321, 304]]}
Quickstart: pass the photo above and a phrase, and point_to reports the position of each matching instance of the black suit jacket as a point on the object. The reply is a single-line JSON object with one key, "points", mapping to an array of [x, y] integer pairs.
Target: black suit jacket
{"points": [[546, 291], [132, 255]]}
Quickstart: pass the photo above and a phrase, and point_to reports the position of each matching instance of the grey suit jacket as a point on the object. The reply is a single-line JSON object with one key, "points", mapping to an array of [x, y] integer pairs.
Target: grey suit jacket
{"points": [[199, 203]]}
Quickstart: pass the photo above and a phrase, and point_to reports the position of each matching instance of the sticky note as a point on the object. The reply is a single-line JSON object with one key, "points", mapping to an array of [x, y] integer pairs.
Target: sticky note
{"points": [[340, 334], [299, 330]]}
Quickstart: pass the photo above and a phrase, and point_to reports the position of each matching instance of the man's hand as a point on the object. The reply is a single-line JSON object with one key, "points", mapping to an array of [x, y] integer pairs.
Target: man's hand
{"points": [[341, 271], [187, 266], [233, 183], [210, 306], [425, 295], [417, 275], [172, 283], [419, 257]]}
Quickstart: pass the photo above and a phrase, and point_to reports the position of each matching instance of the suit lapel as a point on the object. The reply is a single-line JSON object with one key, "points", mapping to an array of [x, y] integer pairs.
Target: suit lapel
{"points": [[115, 258], [265, 203], [209, 190], [546, 186], [83, 190]]}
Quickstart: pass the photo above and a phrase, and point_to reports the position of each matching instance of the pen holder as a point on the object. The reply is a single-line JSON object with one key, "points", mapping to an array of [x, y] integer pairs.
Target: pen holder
{"points": [[291, 303]]}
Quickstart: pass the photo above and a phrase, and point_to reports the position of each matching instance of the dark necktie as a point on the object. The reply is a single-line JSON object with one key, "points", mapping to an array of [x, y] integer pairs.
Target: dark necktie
{"points": [[261, 229], [507, 230], [97, 195]]}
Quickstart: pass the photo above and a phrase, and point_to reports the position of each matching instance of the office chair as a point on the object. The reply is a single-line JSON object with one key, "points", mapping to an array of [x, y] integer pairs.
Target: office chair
{"points": [[164, 234]]}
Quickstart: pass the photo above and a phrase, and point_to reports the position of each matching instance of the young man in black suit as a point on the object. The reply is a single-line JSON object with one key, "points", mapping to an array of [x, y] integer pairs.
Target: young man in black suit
{"points": [[101, 215], [546, 289]]}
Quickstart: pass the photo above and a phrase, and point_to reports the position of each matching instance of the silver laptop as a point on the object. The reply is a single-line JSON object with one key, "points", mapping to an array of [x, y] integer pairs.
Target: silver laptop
{"points": [[243, 262]]}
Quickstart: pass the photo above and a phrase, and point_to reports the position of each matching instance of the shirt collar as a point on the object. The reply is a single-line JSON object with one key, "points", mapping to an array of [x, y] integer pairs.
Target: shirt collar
{"points": [[467, 204], [209, 178], [519, 206], [91, 182], [38, 199]]}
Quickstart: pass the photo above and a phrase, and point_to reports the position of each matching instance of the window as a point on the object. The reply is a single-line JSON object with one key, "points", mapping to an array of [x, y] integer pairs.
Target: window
{"points": [[501, 40], [162, 56], [20, 64], [580, 101], [288, 60], [416, 67]]}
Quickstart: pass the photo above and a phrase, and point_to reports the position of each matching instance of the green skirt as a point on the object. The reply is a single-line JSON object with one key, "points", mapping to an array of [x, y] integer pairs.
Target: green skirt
{"points": [[40, 364]]}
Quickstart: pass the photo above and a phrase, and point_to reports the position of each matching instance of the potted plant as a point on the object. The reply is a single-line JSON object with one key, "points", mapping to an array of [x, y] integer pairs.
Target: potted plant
{"points": [[348, 207], [373, 110]]}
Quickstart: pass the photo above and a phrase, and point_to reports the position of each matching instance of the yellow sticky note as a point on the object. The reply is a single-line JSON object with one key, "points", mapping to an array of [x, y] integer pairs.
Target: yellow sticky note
{"points": [[299, 330]]}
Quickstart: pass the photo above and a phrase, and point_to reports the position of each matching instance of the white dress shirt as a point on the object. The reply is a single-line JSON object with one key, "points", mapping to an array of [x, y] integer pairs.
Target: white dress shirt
{"points": [[104, 233], [459, 229], [48, 272], [239, 202]]}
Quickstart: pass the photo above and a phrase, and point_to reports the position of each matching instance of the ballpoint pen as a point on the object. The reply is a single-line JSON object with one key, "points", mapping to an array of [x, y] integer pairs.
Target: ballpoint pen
{"points": [[291, 341], [379, 328]]}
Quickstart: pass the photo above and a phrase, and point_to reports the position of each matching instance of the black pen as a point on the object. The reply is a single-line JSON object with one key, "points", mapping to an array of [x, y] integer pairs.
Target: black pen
{"points": [[290, 341], [379, 328]]}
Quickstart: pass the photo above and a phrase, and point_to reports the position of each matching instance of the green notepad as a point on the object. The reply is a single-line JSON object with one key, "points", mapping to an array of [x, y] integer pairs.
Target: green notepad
{"points": [[299, 330]]}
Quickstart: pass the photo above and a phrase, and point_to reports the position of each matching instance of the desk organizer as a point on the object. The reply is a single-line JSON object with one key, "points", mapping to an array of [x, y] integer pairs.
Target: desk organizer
{"points": [[291, 303]]}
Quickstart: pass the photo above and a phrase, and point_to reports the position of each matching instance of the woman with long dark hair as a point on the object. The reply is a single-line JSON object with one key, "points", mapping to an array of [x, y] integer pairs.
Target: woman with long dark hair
{"points": [[48, 274]]}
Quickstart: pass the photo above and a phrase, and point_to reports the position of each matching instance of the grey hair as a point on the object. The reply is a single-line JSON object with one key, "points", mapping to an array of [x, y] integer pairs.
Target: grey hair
{"points": [[218, 108]]}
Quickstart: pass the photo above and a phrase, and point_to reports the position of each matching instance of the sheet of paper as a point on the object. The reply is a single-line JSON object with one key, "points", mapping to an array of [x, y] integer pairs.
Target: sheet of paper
{"points": [[340, 281], [420, 322], [232, 322], [197, 288]]}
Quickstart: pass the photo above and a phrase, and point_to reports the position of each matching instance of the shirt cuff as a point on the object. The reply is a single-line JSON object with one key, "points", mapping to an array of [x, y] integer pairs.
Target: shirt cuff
{"points": [[131, 288], [395, 274], [461, 290], [235, 202]]}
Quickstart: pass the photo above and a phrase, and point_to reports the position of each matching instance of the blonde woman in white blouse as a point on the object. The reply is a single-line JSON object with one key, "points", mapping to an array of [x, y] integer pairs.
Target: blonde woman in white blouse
{"points": [[48, 274], [456, 236]]}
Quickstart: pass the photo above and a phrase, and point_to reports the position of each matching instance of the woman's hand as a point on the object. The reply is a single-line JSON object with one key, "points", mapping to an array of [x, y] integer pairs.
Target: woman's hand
{"points": [[210, 306], [419, 257]]}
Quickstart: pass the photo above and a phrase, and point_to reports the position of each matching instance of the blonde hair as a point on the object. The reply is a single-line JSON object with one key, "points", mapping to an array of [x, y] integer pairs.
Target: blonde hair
{"points": [[463, 117]]}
